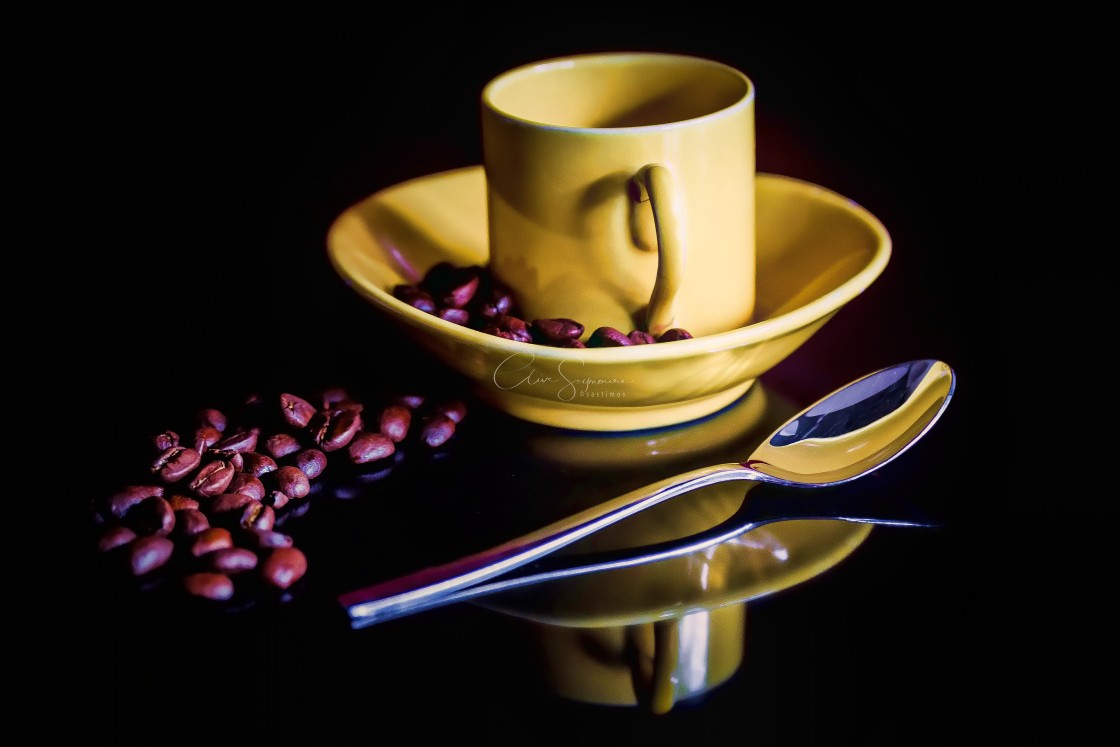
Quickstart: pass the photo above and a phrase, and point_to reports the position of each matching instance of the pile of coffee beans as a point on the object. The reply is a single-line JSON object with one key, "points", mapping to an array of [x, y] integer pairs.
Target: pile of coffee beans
{"points": [[470, 296], [220, 488]]}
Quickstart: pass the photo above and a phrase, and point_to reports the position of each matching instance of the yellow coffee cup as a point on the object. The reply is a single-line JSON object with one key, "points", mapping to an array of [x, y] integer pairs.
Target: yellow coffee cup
{"points": [[620, 190]]}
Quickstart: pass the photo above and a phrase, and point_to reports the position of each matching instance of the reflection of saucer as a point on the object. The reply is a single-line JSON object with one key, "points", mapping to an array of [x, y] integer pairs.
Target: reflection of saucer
{"points": [[816, 251]]}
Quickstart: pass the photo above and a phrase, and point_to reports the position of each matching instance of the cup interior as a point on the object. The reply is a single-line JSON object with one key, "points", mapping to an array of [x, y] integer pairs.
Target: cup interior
{"points": [[618, 90]]}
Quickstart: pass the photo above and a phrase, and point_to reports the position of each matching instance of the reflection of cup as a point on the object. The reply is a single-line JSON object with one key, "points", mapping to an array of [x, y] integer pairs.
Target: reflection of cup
{"points": [[654, 664], [620, 190]]}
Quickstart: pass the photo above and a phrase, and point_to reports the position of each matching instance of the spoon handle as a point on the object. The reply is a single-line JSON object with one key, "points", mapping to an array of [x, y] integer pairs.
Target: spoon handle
{"points": [[390, 598]]}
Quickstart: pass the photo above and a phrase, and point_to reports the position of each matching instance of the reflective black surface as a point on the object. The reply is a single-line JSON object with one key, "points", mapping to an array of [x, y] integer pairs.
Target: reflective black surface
{"points": [[233, 147]]}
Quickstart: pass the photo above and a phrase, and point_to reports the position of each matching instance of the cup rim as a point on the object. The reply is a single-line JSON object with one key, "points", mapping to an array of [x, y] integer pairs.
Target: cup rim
{"points": [[501, 80]]}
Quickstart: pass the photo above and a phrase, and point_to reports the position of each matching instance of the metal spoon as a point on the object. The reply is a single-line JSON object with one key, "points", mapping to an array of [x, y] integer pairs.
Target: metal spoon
{"points": [[850, 433]]}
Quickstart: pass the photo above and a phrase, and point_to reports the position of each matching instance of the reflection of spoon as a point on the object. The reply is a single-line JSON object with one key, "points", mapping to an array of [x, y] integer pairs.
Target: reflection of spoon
{"points": [[851, 432]]}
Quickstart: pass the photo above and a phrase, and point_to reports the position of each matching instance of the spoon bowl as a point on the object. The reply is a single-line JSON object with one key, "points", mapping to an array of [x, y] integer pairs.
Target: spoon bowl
{"points": [[851, 432]]}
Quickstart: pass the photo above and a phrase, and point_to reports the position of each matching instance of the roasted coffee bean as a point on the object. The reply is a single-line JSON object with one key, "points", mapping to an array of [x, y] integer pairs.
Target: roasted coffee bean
{"points": [[149, 553], [247, 483], [461, 317], [209, 540], [216, 586], [608, 337], [492, 301], [552, 331], [122, 501], [237, 461], [312, 462], [280, 445], [462, 290], [672, 335], [115, 537], [212, 478], [437, 430], [293, 482], [332, 395], [212, 418], [232, 560], [415, 297], [175, 463], [411, 401], [517, 328], [257, 464], [152, 516], [334, 429], [258, 516], [641, 337], [574, 343], [394, 422], [277, 499], [455, 409], [206, 436], [166, 440], [190, 521], [179, 502], [270, 538], [369, 447], [226, 502], [241, 441], [284, 566], [296, 410]]}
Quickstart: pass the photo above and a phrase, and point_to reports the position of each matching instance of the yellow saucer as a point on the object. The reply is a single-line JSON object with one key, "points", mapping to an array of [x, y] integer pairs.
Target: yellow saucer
{"points": [[816, 251]]}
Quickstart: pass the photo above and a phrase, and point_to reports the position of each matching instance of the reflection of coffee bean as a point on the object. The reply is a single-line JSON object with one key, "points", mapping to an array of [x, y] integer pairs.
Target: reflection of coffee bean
{"points": [[217, 586]]}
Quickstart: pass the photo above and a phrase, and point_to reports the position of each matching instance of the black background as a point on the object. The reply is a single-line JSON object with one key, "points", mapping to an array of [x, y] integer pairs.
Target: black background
{"points": [[206, 158]]}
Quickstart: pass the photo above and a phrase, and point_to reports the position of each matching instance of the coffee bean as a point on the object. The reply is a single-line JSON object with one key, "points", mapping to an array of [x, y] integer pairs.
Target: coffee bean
{"points": [[608, 337], [334, 429], [415, 297], [232, 560], [461, 292], [293, 482], [296, 410], [190, 521], [369, 447], [281, 445], [411, 401], [258, 464], [277, 499], [551, 331], [241, 441], [672, 335], [247, 483], [152, 516], [179, 502], [175, 463], [455, 409], [211, 418], [209, 540], [312, 462], [437, 430], [212, 478], [115, 537], [227, 502], [270, 539], [394, 422], [166, 440], [122, 501], [205, 437], [216, 586], [284, 566], [258, 516], [641, 337], [456, 316], [146, 554]]}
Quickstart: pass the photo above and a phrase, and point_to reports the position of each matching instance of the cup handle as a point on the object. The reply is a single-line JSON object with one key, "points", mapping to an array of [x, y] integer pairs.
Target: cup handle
{"points": [[654, 184]]}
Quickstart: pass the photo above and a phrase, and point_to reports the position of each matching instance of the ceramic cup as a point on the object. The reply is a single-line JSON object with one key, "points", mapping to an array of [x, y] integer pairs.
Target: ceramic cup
{"points": [[620, 190]]}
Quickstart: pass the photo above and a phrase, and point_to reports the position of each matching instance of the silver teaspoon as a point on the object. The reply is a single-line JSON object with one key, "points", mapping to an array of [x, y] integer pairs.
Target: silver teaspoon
{"points": [[850, 433]]}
